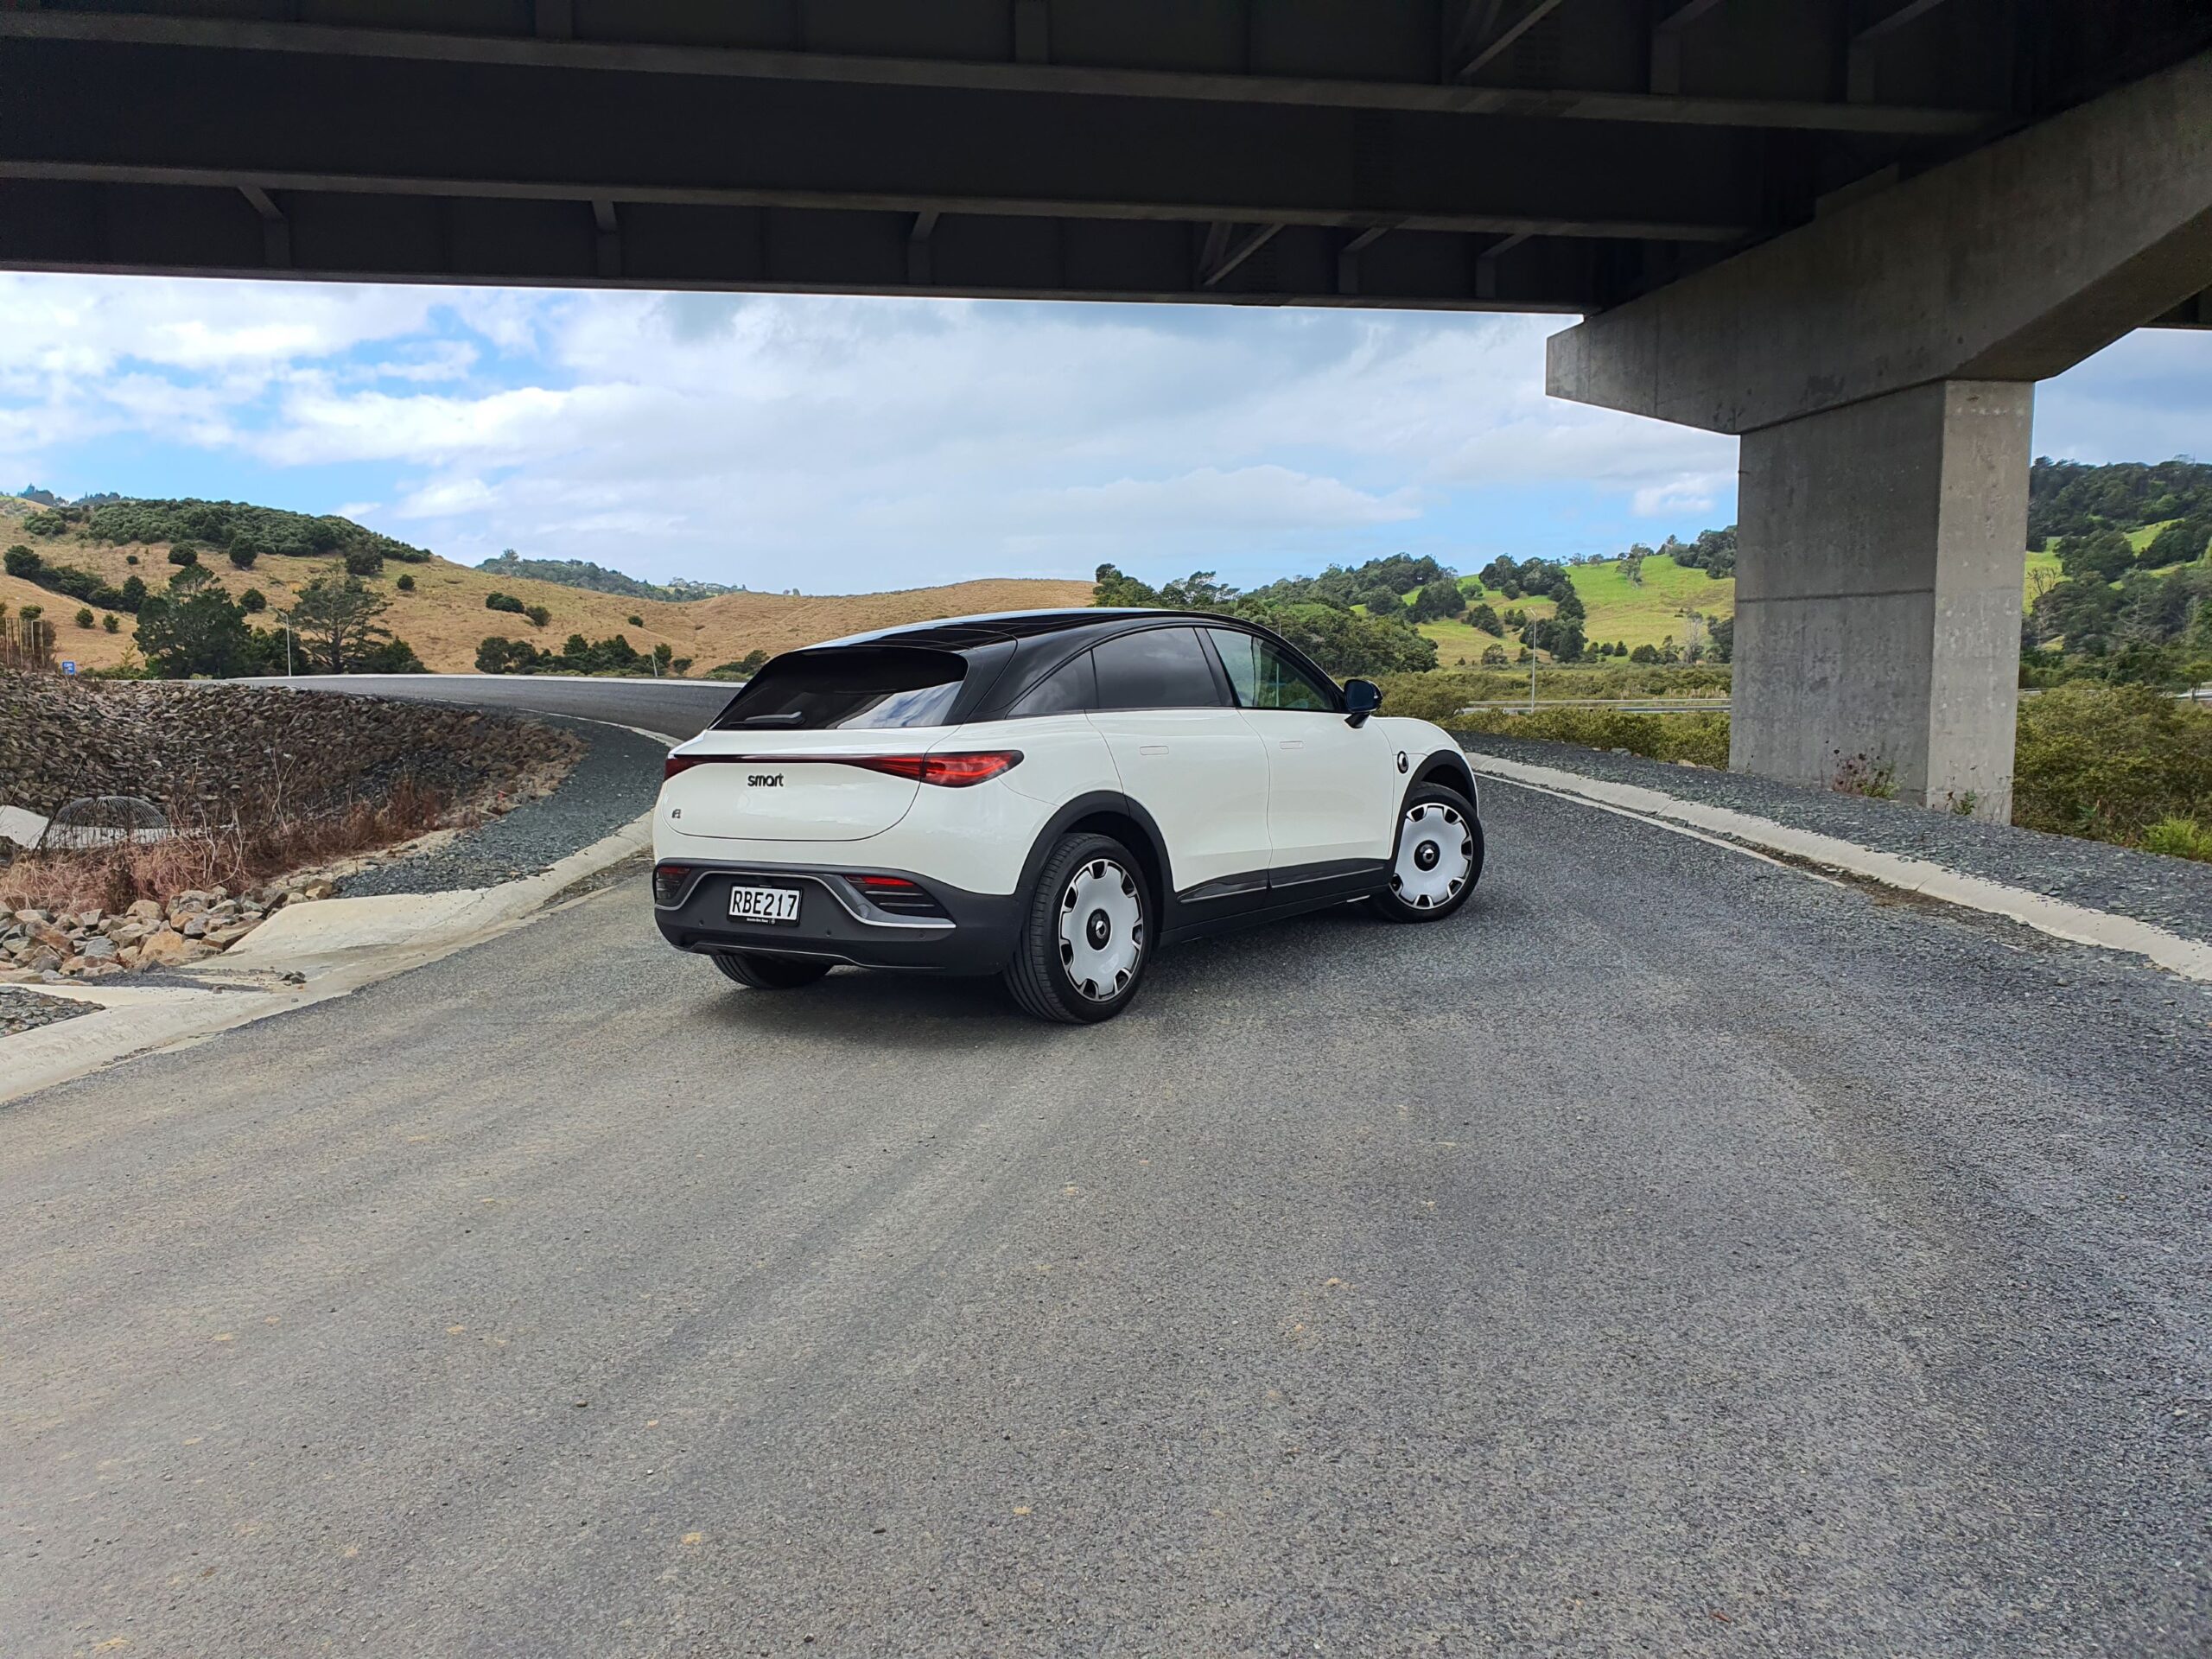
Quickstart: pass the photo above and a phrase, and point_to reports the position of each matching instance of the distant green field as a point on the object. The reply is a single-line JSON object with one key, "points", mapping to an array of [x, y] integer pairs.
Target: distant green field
{"points": [[1646, 614]]}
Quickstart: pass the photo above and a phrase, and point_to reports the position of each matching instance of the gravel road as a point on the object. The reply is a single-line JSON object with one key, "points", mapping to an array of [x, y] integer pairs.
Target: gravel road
{"points": [[2170, 892], [1673, 1253]]}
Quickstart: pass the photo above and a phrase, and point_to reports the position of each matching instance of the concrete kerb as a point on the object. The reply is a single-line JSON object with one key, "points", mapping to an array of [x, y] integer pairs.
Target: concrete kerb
{"points": [[2077, 923], [304, 954]]}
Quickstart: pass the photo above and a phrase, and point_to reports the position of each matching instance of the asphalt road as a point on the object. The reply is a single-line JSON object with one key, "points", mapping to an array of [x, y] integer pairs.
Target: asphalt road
{"points": [[1673, 1253]]}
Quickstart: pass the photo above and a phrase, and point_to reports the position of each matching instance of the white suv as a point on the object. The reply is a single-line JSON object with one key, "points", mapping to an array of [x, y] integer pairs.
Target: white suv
{"points": [[1051, 797]]}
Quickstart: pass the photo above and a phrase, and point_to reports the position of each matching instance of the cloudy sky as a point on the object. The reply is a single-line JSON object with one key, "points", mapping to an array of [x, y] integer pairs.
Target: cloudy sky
{"points": [[839, 445]]}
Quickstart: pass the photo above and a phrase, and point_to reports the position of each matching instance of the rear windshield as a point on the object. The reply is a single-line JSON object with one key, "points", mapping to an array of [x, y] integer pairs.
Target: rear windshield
{"points": [[853, 688]]}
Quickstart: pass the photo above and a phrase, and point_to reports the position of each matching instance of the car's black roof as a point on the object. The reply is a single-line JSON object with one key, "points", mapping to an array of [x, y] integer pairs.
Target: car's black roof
{"points": [[967, 633]]}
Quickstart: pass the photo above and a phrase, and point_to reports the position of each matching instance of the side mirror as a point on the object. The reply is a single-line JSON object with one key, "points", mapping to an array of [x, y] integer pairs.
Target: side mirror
{"points": [[1362, 698]]}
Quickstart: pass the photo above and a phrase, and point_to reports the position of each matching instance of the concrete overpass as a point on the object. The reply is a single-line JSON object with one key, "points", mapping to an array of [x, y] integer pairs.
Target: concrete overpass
{"points": [[1855, 231]]}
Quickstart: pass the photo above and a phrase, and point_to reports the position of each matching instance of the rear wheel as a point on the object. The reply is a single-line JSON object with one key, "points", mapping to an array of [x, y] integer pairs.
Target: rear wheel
{"points": [[1086, 936], [766, 973], [1438, 859]]}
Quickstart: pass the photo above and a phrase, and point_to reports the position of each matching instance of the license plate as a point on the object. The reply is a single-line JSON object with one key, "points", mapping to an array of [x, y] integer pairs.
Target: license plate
{"points": [[764, 904]]}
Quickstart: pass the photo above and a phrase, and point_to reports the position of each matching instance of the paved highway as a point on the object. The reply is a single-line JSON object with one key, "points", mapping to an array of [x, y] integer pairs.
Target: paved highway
{"points": [[1673, 1253]]}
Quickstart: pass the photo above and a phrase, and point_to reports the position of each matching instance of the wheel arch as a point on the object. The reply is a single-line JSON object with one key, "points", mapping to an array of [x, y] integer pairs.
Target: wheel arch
{"points": [[1106, 813], [1448, 767]]}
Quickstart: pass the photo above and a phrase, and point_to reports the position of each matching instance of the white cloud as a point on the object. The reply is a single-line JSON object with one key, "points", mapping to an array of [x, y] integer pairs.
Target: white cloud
{"points": [[856, 442]]}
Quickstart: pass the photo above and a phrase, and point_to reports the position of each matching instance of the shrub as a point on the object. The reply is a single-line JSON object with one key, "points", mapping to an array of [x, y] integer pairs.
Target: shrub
{"points": [[2108, 762], [364, 561], [131, 558], [183, 556], [496, 601], [2179, 838], [21, 562], [108, 623], [538, 615], [243, 554], [1701, 740], [32, 612], [253, 601], [84, 617], [406, 582], [637, 621]]}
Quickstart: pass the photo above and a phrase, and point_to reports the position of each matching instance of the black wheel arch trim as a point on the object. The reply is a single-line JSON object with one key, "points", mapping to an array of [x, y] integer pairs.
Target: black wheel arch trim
{"points": [[1085, 806], [1448, 766]]}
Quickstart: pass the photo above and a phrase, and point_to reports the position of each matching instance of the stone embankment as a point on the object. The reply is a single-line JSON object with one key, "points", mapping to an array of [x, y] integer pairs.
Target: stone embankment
{"points": [[53, 946]]}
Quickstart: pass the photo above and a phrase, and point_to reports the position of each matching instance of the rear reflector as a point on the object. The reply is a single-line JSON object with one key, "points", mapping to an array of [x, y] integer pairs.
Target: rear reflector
{"points": [[668, 882], [946, 771]]}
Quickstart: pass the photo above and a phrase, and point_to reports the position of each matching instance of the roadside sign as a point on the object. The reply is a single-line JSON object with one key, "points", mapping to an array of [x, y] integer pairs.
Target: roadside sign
{"points": [[68, 668]]}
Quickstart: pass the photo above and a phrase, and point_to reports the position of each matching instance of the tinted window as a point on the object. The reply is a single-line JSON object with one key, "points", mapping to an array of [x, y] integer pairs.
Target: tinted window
{"points": [[1263, 678], [1159, 668], [1068, 690], [855, 687]]}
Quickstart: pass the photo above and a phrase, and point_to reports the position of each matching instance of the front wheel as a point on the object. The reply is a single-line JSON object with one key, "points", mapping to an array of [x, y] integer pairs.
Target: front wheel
{"points": [[1087, 934], [765, 972], [1438, 859]]}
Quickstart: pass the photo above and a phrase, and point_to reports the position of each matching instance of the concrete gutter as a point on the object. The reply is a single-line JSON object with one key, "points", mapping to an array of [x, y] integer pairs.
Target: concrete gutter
{"points": [[2077, 924], [304, 954]]}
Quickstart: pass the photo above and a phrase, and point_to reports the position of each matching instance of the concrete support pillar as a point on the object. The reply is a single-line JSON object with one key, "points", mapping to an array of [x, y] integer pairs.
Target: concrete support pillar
{"points": [[1878, 365], [1881, 550]]}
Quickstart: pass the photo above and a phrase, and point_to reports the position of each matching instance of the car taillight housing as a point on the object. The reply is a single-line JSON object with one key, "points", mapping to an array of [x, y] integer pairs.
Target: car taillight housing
{"points": [[668, 882], [945, 771]]}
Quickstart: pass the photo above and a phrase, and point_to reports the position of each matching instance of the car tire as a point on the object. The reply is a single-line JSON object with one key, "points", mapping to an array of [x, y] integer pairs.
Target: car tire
{"points": [[760, 972], [1086, 936], [1437, 858]]}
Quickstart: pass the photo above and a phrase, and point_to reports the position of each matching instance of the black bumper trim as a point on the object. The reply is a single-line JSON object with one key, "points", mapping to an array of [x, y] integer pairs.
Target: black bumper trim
{"points": [[978, 938]]}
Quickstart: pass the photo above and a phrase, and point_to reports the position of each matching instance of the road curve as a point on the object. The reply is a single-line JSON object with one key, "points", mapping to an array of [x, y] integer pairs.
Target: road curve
{"points": [[680, 708], [1673, 1253]]}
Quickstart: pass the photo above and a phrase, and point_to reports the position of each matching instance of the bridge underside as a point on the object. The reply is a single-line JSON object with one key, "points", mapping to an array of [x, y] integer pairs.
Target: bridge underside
{"points": [[1556, 155], [1855, 231]]}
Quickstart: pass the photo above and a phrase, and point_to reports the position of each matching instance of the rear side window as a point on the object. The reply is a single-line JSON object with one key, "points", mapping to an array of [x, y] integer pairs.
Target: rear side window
{"points": [[1159, 668], [1263, 678], [855, 687], [1068, 690]]}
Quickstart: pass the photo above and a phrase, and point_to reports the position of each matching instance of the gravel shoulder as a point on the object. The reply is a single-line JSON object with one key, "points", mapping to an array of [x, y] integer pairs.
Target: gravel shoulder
{"points": [[2168, 892], [22, 1010], [614, 781]]}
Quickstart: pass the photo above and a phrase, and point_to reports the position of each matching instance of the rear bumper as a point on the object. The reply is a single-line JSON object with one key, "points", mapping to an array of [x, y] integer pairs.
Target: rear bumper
{"points": [[836, 920]]}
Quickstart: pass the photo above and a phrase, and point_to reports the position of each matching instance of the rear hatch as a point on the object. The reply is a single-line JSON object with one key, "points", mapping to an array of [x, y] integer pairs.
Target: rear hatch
{"points": [[779, 764]]}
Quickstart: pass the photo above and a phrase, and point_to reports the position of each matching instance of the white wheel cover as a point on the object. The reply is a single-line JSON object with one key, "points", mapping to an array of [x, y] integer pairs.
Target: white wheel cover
{"points": [[1436, 853], [1101, 929]]}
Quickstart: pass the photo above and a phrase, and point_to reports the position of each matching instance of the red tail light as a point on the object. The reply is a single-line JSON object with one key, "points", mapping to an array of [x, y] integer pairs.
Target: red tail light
{"points": [[946, 771]]}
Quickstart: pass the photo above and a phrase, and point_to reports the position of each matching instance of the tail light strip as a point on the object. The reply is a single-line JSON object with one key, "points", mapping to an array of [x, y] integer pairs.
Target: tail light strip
{"points": [[945, 771]]}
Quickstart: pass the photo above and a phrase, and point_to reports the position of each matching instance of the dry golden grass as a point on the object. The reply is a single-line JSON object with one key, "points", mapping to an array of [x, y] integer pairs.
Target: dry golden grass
{"points": [[444, 618]]}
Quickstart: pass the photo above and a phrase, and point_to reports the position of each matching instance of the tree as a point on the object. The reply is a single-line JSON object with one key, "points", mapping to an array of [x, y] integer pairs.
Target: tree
{"points": [[109, 624], [2099, 556], [184, 555], [406, 582], [1486, 619], [21, 562], [1721, 647], [195, 629], [253, 601], [538, 615], [1632, 564], [1440, 597], [1644, 654], [339, 623], [497, 654], [84, 618], [496, 601], [1493, 656], [364, 561], [2179, 542], [132, 593], [243, 553]]}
